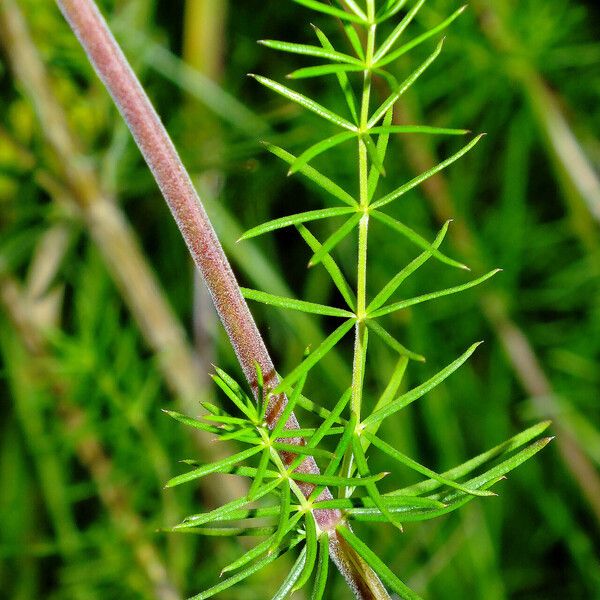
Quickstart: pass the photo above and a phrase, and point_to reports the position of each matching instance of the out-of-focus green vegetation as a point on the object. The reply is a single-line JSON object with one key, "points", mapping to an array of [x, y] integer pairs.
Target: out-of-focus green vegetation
{"points": [[90, 351]]}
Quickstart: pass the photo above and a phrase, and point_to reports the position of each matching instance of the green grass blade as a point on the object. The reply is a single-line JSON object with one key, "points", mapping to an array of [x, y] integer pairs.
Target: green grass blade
{"points": [[292, 304], [418, 240], [311, 173], [311, 550], [334, 239], [416, 393], [415, 466], [331, 267], [426, 175], [420, 39], [322, 70], [215, 467], [310, 50], [385, 47], [397, 280], [319, 148], [305, 217], [333, 11], [432, 296], [391, 100], [341, 77], [392, 342], [322, 568], [314, 357], [377, 565], [305, 102]]}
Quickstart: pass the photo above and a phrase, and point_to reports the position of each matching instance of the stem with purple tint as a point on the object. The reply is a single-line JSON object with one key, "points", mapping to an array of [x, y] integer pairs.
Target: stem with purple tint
{"points": [[176, 186]]}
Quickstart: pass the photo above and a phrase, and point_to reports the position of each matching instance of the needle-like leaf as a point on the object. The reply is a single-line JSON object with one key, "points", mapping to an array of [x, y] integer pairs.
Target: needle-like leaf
{"points": [[426, 175], [214, 467], [190, 421], [432, 296], [305, 102], [322, 70], [314, 357], [334, 239], [416, 393], [292, 304], [392, 342], [311, 173], [322, 568], [397, 32], [319, 148], [331, 266], [305, 217], [377, 565], [392, 99], [357, 17], [292, 577], [382, 144], [311, 550], [420, 39], [309, 50], [418, 240]]}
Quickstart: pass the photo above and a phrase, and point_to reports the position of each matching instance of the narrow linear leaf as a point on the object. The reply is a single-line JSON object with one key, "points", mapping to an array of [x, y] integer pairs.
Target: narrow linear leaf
{"points": [[397, 32], [418, 240], [260, 474], [420, 39], [341, 77], [355, 41], [397, 280], [373, 154], [377, 565], [217, 589], [331, 267], [215, 467], [432, 296], [244, 407], [363, 469], [389, 9], [299, 449], [334, 239], [305, 102], [382, 144], [417, 129], [307, 432], [319, 148], [292, 304], [314, 357], [391, 100], [389, 501], [294, 574], [310, 50], [305, 217], [230, 531], [190, 421], [392, 342], [337, 480], [321, 180], [287, 411], [416, 393], [415, 466], [322, 70], [311, 551], [332, 10], [322, 568], [284, 516], [426, 175]]}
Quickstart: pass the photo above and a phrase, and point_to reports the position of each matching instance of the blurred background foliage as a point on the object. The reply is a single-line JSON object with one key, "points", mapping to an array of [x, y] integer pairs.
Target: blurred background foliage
{"points": [[103, 322]]}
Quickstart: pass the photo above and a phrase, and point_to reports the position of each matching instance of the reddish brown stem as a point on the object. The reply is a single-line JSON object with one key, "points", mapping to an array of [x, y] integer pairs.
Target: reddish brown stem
{"points": [[205, 248]]}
